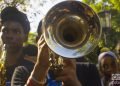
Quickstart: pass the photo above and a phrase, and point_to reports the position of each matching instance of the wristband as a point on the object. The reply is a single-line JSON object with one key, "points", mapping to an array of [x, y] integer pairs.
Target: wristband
{"points": [[38, 82]]}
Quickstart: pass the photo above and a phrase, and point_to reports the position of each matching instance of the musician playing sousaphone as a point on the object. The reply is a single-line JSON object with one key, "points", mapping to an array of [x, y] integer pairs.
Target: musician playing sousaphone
{"points": [[71, 29]]}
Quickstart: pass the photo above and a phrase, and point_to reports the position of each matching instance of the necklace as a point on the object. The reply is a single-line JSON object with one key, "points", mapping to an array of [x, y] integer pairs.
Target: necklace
{"points": [[3, 69]]}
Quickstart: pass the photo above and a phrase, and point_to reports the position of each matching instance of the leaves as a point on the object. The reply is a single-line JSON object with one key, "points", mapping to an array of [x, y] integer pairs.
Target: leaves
{"points": [[32, 38], [110, 36]]}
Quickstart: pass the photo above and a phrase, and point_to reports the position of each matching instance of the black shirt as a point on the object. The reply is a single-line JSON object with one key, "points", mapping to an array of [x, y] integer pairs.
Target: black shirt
{"points": [[88, 74], [22, 62]]}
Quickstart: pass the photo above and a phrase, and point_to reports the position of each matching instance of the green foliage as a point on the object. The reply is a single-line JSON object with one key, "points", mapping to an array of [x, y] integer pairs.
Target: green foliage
{"points": [[104, 49], [93, 56], [113, 33], [21, 4], [115, 4], [31, 38]]}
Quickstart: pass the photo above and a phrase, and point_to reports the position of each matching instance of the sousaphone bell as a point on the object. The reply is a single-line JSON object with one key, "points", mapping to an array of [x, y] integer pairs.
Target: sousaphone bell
{"points": [[71, 29]]}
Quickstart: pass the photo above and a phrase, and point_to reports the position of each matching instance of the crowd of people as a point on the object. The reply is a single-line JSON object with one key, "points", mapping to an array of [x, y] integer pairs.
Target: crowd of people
{"points": [[30, 66]]}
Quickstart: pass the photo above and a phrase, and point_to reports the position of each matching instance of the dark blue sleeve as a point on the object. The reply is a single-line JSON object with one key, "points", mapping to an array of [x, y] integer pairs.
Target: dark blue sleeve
{"points": [[20, 76]]}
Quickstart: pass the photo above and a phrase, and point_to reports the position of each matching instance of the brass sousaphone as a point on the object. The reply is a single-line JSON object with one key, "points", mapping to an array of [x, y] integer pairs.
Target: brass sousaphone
{"points": [[71, 29]]}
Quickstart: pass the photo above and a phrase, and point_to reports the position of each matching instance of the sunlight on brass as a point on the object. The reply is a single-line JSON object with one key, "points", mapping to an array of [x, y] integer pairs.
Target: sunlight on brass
{"points": [[71, 29]]}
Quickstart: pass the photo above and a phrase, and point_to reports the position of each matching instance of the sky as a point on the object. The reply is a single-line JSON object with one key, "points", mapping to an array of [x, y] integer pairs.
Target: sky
{"points": [[36, 12]]}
